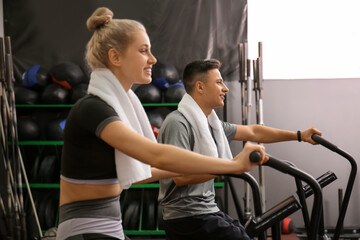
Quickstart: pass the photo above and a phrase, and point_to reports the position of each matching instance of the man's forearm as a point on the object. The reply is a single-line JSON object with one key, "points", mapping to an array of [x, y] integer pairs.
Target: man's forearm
{"points": [[263, 134]]}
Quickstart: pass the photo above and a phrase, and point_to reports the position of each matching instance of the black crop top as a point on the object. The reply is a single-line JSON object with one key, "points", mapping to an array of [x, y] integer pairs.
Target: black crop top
{"points": [[84, 155]]}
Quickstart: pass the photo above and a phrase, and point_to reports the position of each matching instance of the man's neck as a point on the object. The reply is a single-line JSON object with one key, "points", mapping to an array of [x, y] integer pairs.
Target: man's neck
{"points": [[206, 110]]}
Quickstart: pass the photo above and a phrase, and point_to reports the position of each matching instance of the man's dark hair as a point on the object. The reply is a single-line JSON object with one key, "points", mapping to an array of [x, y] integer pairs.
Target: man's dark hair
{"points": [[197, 71]]}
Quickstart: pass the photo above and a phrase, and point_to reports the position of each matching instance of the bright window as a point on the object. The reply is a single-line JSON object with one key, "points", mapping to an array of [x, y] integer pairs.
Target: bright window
{"points": [[306, 39]]}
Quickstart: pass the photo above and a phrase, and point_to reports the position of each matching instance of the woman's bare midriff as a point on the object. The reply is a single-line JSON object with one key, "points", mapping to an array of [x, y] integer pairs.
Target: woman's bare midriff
{"points": [[72, 192]]}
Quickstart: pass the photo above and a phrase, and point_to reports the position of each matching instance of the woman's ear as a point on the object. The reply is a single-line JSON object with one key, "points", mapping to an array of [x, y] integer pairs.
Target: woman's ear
{"points": [[114, 57]]}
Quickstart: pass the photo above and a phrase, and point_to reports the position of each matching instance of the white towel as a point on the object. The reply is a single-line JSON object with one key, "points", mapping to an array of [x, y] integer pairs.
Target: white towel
{"points": [[203, 141], [105, 85]]}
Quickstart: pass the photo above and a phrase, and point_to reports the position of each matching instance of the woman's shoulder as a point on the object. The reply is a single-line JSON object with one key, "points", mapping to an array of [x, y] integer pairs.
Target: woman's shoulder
{"points": [[92, 106], [91, 101]]}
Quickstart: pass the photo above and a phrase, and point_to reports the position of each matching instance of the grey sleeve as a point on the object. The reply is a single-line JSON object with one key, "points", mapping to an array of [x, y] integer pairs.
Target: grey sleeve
{"points": [[175, 132], [229, 129]]}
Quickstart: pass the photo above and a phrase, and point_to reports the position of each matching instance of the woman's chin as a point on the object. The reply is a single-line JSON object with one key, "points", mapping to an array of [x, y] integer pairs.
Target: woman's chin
{"points": [[145, 81]]}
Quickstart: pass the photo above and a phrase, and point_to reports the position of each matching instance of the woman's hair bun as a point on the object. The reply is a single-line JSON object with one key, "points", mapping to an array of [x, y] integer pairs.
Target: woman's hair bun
{"points": [[99, 18]]}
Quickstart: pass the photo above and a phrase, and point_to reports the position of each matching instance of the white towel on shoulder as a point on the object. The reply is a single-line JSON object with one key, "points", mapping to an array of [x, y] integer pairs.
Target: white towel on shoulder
{"points": [[203, 141], [105, 85]]}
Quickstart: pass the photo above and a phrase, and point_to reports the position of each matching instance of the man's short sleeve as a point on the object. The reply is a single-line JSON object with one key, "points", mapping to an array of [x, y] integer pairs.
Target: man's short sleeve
{"points": [[229, 129]]}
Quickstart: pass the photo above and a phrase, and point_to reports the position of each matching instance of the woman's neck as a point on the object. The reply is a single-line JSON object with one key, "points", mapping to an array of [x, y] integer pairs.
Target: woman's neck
{"points": [[125, 84]]}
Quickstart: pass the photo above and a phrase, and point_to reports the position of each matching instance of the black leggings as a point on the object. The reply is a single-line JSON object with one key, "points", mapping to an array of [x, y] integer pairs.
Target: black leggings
{"points": [[213, 226]]}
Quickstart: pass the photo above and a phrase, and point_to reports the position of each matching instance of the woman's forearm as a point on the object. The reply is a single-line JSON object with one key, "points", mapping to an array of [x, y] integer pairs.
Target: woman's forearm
{"points": [[171, 158], [158, 174], [176, 159]]}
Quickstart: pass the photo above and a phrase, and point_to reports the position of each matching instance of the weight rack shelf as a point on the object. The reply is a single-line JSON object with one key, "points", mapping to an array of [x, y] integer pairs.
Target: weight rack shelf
{"points": [[41, 143], [144, 232], [70, 105]]}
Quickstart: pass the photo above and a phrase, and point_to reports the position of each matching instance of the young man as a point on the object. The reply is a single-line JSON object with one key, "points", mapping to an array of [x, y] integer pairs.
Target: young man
{"points": [[189, 208]]}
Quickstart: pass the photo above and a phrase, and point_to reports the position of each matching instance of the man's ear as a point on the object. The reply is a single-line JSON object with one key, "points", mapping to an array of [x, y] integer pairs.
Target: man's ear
{"points": [[114, 57], [199, 87]]}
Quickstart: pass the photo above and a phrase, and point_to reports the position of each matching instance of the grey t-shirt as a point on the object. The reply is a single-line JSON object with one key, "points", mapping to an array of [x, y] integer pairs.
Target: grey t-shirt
{"points": [[188, 200]]}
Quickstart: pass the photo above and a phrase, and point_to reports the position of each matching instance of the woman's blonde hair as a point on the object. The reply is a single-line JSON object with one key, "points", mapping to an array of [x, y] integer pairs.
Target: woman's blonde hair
{"points": [[108, 33]]}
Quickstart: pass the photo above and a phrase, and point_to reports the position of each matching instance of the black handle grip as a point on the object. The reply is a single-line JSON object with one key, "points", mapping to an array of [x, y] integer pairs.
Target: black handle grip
{"points": [[272, 162], [324, 142], [255, 157]]}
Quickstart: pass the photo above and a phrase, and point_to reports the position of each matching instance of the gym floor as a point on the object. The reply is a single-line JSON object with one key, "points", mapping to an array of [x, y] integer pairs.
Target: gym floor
{"points": [[291, 236]]}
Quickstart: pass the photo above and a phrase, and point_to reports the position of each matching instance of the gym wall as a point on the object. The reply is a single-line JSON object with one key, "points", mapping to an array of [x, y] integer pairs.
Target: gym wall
{"points": [[48, 32]]}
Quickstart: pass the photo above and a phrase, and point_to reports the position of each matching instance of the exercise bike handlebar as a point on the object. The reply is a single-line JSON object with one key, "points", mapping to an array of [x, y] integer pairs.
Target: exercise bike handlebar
{"points": [[254, 187], [350, 184], [297, 173], [272, 162], [324, 142], [255, 157]]}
